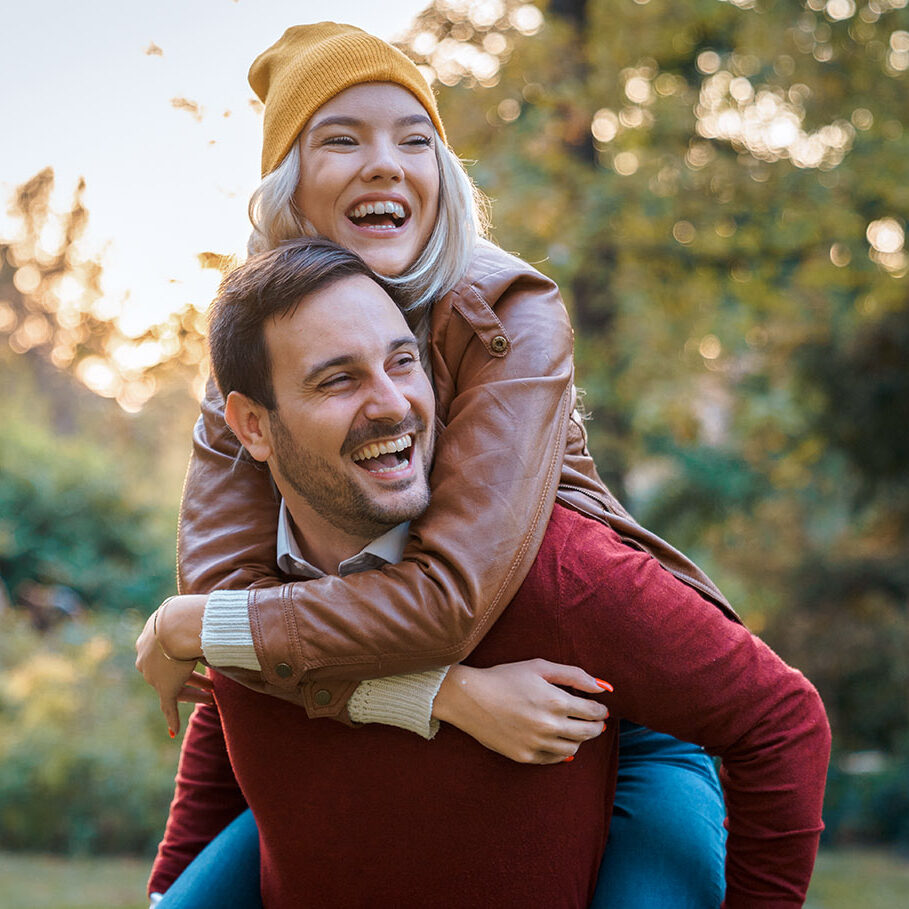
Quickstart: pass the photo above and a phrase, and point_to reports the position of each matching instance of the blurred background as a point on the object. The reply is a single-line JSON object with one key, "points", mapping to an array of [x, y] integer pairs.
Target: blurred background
{"points": [[720, 188]]}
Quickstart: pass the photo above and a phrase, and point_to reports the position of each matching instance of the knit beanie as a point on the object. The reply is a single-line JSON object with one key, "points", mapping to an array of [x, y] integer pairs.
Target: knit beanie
{"points": [[310, 64]]}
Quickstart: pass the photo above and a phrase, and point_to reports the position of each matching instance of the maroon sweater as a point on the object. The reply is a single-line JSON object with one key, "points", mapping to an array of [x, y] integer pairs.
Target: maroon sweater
{"points": [[379, 817]]}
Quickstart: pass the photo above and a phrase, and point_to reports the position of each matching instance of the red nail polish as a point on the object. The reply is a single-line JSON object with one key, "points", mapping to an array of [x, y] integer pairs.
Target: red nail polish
{"points": [[604, 685], [569, 759], [604, 727], [173, 734]]}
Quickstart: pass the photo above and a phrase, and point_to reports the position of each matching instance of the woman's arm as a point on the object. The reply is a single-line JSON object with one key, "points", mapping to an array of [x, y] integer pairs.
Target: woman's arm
{"points": [[502, 354], [519, 710]]}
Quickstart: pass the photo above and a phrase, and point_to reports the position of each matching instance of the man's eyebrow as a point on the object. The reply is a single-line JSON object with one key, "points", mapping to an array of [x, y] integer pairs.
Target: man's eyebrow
{"points": [[344, 360], [347, 359], [409, 120], [403, 341]]}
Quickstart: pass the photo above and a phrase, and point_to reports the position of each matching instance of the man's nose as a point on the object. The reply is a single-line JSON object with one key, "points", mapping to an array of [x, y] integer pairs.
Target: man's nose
{"points": [[386, 401]]}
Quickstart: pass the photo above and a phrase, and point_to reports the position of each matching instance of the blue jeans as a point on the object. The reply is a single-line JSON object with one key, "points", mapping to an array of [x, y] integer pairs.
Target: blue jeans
{"points": [[667, 843], [224, 873], [666, 846]]}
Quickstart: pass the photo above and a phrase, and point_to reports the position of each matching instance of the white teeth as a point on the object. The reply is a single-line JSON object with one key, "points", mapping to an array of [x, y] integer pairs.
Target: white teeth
{"points": [[378, 208], [375, 449]]}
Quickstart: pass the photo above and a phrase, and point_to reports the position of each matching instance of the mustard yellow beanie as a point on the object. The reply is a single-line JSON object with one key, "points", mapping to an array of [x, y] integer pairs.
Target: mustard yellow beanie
{"points": [[310, 64]]}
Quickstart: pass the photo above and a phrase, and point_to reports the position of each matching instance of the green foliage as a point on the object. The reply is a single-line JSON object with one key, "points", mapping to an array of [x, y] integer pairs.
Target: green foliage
{"points": [[71, 512], [85, 763], [742, 342], [868, 807]]}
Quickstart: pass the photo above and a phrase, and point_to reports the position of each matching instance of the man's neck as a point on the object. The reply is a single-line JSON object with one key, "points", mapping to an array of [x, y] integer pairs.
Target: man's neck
{"points": [[321, 543]]}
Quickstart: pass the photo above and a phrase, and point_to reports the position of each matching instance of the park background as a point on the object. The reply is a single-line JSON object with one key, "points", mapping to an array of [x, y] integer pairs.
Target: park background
{"points": [[721, 190]]}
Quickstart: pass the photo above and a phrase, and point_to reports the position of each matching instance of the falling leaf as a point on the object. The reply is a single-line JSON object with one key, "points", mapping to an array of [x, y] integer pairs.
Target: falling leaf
{"points": [[191, 107], [153, 50], [217, 261]]}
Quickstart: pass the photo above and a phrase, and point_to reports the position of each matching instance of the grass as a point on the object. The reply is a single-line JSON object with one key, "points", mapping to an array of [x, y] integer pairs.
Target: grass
{"points": [[55, 882], [843, 879], [866, 878]]}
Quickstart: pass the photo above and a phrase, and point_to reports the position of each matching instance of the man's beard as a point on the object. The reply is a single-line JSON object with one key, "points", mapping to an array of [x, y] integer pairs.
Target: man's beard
{"points": [[334, 495]]}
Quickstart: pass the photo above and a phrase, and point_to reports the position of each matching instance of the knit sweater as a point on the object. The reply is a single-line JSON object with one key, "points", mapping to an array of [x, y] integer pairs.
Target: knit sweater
{"points": [[376, 817]]}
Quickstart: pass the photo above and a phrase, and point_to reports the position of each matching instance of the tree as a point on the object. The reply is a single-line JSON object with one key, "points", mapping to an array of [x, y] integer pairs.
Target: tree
{"points": [[88, 491], [721, 190]]}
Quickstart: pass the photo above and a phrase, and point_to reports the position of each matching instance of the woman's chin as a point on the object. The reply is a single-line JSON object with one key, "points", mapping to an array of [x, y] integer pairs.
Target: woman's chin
{"points": [[388, 263]]}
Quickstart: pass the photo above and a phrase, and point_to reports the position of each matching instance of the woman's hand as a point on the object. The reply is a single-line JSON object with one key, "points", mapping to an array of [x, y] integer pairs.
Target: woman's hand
{"points": [[168, 649], [517, 709]]}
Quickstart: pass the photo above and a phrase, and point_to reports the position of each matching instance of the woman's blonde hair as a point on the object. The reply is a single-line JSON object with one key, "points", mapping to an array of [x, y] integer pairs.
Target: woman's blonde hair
{"points": [[461, 220]]}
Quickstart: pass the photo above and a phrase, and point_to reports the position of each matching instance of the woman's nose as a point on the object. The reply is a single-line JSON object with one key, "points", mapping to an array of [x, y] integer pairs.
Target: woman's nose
{"points": [[384, 163]]}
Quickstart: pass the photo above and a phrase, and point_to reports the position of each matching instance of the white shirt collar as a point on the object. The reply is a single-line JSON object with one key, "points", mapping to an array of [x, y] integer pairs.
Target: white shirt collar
{"points": [[387, 548]]}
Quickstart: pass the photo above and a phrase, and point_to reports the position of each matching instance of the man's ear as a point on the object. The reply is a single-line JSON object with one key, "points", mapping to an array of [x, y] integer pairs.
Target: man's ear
{"points": [[249, 422]]}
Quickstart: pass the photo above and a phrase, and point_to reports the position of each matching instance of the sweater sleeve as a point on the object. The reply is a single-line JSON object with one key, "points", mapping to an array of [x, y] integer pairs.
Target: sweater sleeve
{"points": [[503, 350], [680, 666], [206, 799]]}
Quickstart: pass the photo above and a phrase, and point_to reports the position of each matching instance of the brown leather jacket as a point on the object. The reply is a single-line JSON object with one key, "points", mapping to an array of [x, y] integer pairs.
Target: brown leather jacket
{"points": [[501, 350]]}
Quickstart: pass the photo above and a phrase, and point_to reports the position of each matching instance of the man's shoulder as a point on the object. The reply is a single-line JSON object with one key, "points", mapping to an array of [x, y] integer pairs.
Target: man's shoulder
{"points": [[576, 551]]}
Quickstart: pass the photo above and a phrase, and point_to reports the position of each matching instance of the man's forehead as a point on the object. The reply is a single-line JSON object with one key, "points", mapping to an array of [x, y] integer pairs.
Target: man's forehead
{"points": [[350, 318]]}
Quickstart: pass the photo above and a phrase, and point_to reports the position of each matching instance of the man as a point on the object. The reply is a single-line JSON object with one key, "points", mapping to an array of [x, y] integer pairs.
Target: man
{"points": [[324, 385]]}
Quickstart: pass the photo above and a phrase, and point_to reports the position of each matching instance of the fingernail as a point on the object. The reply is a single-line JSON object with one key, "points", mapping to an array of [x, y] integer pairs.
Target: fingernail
{"points": [[604, 685], [569, 759], [604, 728], [173, 734]]}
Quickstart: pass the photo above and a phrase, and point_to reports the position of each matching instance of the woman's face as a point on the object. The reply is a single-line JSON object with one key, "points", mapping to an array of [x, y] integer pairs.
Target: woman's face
{"points": [[369, 179]]}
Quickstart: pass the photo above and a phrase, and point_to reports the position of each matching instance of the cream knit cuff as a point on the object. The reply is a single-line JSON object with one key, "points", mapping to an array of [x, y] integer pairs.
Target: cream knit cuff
{"points": [[399, 700], [226, 635]]}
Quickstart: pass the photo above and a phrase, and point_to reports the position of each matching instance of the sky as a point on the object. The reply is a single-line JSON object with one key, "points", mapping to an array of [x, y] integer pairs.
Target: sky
{"points": [[89, 91]]}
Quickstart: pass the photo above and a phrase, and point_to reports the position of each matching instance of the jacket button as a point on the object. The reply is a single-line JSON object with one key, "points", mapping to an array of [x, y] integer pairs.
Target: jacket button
{"points": [[499, 344], [283, 670], [323, 697]]}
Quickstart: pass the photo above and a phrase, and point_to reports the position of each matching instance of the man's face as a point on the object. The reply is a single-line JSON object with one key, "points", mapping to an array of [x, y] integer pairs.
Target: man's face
{"points": [[351, 436]]}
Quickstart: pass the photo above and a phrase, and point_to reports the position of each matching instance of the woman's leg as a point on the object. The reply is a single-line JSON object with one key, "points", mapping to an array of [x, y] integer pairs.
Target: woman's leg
{"points": [[224, 873], [667, 843]]}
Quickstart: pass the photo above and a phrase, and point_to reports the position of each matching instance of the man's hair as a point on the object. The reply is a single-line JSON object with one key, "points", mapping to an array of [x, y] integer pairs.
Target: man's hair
{"points": [[268, 286]]}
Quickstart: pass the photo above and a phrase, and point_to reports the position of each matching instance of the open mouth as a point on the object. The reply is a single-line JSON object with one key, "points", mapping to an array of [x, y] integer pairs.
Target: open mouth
{"points": [[385, 215], [385, 457]]}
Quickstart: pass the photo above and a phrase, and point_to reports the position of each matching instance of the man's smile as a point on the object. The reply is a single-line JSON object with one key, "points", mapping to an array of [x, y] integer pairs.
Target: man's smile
{"points": [[387, 456]]}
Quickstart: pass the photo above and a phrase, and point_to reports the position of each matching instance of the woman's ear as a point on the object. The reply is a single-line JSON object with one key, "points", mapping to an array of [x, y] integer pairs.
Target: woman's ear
{"points": [[249, 422]]}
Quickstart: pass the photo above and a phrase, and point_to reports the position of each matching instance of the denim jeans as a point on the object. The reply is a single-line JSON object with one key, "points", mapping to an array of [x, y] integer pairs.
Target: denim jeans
{"points": [[667, 843], [224, 873], [666, 846]]}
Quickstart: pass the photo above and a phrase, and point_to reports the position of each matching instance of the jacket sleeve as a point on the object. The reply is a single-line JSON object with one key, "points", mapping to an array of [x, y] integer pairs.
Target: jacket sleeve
{"points": [[502, 361], [206, 799]]}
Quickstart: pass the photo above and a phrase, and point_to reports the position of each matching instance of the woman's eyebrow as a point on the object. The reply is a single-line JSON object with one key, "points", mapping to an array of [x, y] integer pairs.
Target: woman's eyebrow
{"points": [[338, 120]]}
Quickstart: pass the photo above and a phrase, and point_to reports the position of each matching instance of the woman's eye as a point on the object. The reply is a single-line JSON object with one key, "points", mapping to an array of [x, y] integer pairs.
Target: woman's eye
{"points": [[424, 141], [339, 140]]}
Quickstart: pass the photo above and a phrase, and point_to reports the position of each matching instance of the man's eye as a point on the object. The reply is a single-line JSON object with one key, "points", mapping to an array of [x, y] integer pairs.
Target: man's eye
{"points": [[335, 382], [403, 361]]}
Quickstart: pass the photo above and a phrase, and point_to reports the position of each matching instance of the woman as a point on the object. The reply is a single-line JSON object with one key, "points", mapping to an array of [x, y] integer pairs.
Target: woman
{"points": [[354, 150]]}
